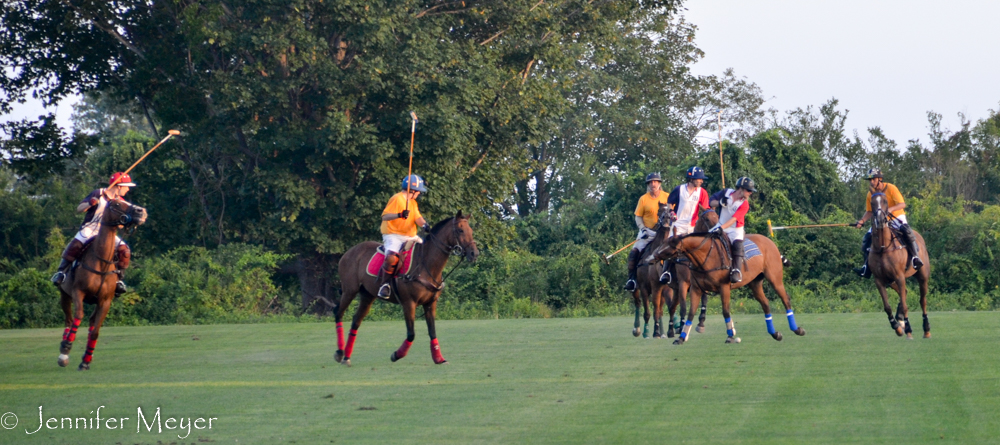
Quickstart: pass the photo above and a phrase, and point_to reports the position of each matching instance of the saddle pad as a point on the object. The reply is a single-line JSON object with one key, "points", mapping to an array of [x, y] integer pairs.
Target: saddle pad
{"points": [[750, 249], [375, 263]]}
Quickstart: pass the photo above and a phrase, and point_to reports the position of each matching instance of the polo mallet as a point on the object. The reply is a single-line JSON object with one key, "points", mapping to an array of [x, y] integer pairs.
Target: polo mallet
{"points": [[170, 134], [772, 229], [413, 134], [607, 258]]}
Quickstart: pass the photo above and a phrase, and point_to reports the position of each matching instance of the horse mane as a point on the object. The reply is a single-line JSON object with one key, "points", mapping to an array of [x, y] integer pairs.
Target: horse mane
{"points": [[440, 225]]}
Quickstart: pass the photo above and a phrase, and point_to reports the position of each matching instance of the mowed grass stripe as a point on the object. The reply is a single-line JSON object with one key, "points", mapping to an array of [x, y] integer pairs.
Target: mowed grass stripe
{"points": [[850, 380]]}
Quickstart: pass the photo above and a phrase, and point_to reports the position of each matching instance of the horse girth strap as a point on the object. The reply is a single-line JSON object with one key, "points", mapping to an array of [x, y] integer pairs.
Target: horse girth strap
{"points": [[88, 269]]}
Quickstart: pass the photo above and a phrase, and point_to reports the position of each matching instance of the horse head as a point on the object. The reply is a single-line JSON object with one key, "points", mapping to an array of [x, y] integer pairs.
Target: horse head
{"points": [[123, 214], [879, 210], [459, 240], [706, 220], [670, 249]]}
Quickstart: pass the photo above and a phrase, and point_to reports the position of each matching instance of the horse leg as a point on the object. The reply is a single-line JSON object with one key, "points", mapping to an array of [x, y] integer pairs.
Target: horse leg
{"points": [[672, 308], [730, 326], [658, 298], [364, 306], [67, 306], [885, 305], [757, 286], [430, 312], [701, 316], [635, 326], [409, 313], [686, 330], [645, 316], [94, 330], [922, 277], [70, 334], [777, 282], [339, 309], [902, 309]]}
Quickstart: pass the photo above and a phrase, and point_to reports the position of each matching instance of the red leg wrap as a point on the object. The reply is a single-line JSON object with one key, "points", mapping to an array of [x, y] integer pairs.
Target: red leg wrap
{"points": [[350, 343], [72, 330], [436, 351], [66, 333], [89, 355], [340, 336], [403, 349]]}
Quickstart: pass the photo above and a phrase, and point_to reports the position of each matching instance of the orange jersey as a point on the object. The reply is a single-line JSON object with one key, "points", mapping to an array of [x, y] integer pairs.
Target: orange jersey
{"points": [[892, 196], [405, 227], [649, 208]]}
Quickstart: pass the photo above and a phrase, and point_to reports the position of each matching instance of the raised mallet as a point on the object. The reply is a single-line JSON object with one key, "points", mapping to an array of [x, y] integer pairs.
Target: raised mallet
{"points": [[170, 134]]}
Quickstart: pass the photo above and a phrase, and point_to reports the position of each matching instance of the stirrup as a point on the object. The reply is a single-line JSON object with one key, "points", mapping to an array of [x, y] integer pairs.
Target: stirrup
{"points": [[120, 288], [384, 292], [666, 277], [735, 276], [58, 278], [630, 285], [916, 262]]}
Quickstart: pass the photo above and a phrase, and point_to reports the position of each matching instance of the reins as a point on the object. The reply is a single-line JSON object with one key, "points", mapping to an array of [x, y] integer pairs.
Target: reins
{"points": [[454, 250]]}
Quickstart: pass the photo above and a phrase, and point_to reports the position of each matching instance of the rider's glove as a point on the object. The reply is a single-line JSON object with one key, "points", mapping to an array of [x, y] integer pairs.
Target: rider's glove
{"points": [[859, 224], [427, 228], [648, 233], [716, 229], [404, 214]]}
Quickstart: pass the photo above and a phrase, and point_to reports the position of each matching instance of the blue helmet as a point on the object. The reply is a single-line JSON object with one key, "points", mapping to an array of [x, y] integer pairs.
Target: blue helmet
{"points": [[414, 182], [696, 173]]}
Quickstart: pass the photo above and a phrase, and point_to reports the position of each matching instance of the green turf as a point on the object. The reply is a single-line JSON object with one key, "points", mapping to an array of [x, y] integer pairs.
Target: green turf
{"points": [[509, 381]]}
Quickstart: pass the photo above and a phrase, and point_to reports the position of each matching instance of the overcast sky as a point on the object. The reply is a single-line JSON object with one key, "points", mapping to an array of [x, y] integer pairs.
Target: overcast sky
{"points": [[888, 62]]}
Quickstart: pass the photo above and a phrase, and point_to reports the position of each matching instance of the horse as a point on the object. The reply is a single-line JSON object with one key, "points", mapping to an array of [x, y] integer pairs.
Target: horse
{"points": [[681, 283], [647, 277], [709, 256], [89, 281], [422, 286], [889, 261]]}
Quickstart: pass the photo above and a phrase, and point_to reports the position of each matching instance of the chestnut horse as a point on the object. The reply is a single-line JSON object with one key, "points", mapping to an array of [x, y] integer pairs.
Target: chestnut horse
{"points": [[889, 260], [681, 283], [92, 280], [710, 261], [422, 286]]}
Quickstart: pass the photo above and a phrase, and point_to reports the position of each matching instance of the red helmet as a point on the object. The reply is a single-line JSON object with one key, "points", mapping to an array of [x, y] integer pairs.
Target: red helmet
{"points": [[120, 178]]}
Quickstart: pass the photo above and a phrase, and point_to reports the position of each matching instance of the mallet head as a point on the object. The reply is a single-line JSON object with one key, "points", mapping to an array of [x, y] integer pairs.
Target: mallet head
{"points": [[173, 132], [414, 116]]}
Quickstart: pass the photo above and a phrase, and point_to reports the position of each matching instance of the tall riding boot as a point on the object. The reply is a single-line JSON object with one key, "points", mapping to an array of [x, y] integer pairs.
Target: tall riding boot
{"points": [[388, 272], [911, 246], [68, 257], [866, 246], [736, 273], [669, 272], [633, 262]]}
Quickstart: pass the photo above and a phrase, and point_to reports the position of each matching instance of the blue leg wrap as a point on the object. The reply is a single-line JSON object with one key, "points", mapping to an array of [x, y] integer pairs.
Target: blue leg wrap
{"points": [[731, 330], [791, 320], [687, 328], [770, 324]]}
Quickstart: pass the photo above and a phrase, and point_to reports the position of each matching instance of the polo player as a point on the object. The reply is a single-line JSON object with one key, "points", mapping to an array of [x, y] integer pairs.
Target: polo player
{"points": [[735, 205], [898, 220], [400, 219], [94, 205], [686, 201], [647, 214]]}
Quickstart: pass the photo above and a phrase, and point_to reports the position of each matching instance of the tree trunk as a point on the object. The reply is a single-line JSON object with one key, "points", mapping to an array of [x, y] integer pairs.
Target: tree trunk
{"points": [[317, 280]]}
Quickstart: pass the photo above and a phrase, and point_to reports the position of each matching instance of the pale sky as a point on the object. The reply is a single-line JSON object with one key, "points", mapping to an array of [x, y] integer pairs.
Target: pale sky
{"points": [[888, 62]]}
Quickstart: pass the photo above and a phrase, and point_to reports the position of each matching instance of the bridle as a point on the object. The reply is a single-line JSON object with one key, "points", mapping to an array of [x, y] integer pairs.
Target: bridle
{"points": [[456, 249], [880, 221], [118, 218]]}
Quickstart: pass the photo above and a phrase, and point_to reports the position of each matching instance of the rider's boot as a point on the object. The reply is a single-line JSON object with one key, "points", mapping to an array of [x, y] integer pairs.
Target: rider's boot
{"points": [[633, 262], [120, 287], [911, 246], [388, 271], [68, 257], [866, 246], [667, 276], [736, 273]]}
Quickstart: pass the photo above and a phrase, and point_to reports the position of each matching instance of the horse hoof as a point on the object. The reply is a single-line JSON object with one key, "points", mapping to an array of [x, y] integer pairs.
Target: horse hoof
{"points": [[679, 341], [339, 356], [84, 367], [909, 336], [777, 336], [636, 332], [442, 362], [899, 331], [670, 333], [927, 335], [63, 360], [346, 362], [700, 329], [733, 340], [800, 332]]}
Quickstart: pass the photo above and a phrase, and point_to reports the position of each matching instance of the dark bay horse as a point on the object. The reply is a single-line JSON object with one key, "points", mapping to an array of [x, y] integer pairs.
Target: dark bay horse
{"points": [[422, 286], [710, 261], [647, 277], [681, 283], [889, 260], [93, 280]]}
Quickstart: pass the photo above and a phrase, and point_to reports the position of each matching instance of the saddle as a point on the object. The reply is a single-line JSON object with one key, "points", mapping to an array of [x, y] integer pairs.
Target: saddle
{"points": [[405, 257]]}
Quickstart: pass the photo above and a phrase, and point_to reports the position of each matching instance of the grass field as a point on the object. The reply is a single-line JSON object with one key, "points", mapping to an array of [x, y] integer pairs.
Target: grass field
{"points": [[510, 381]]}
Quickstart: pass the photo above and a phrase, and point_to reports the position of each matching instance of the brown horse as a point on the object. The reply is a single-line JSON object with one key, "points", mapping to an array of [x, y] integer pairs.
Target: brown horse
{"points": [[889, 260], [708, 254], [647, 277], [681, 283], [92, 281], [422, 286]]}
